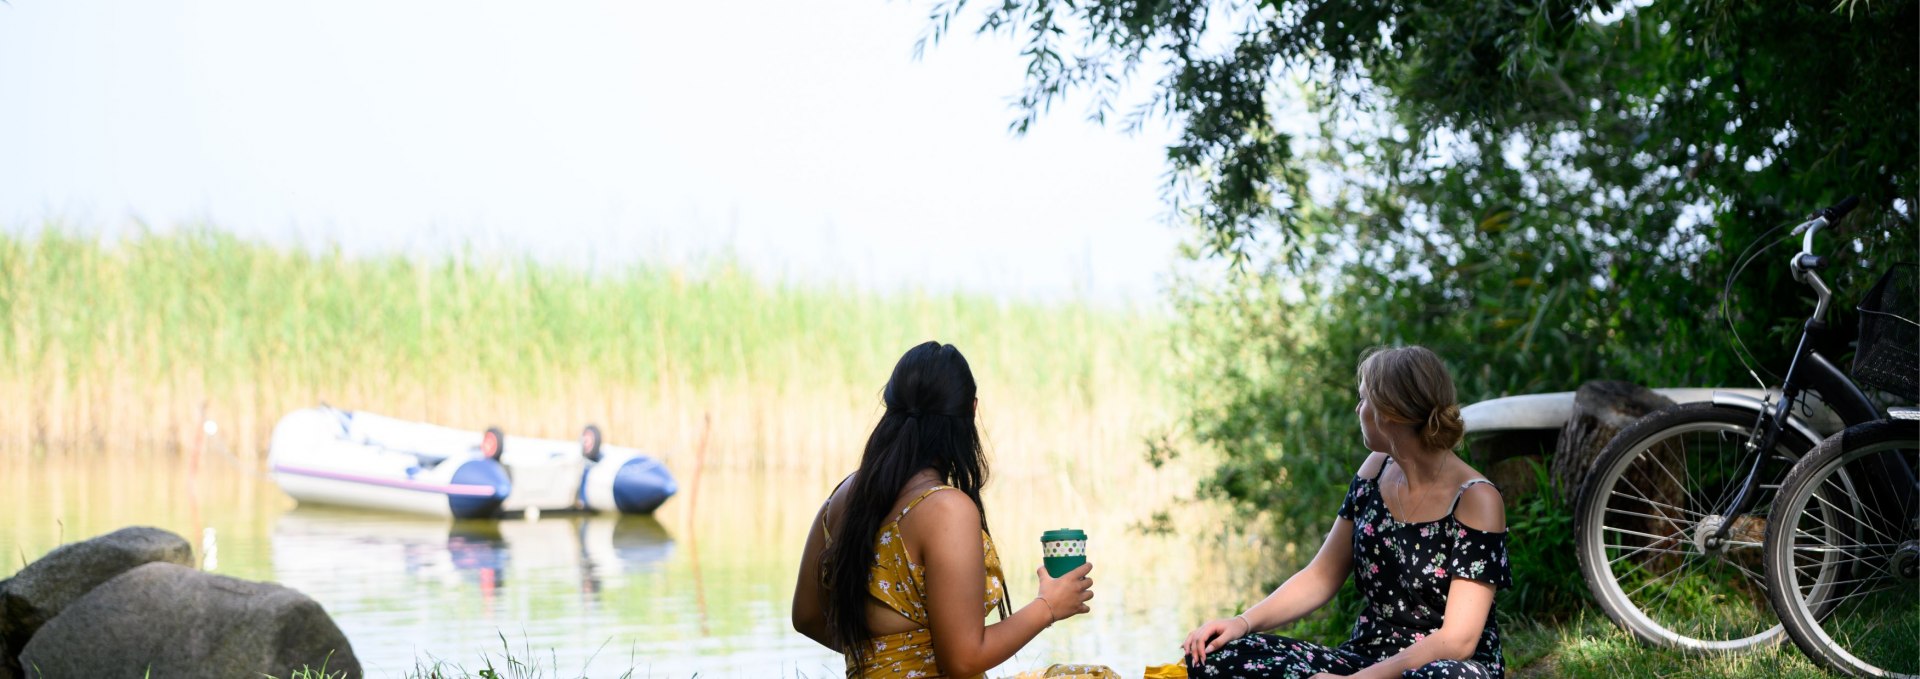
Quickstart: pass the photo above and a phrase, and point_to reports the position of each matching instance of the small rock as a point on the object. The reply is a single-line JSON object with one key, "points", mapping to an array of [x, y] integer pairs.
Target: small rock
{"points": [[38, 592], [165, 620]]}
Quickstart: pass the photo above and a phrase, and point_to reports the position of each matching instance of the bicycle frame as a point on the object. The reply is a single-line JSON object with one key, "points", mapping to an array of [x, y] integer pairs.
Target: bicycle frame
{"points": [[1809, 370]]}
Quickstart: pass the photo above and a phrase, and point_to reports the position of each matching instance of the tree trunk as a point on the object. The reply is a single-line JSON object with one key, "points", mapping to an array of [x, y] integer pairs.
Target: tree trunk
{"points": [[1601, 408]]}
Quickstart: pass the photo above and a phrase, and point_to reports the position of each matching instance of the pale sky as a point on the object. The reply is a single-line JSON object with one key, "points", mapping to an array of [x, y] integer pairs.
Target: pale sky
{"points": [[801, 135]]}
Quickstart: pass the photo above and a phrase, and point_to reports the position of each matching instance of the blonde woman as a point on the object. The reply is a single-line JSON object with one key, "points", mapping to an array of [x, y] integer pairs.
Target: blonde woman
{"points": [[1421, 531]]}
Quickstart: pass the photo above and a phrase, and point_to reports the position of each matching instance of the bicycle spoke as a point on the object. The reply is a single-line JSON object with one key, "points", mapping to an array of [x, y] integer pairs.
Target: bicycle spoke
{"points": [[1636, 552], [1659, 550], [1727, 492], [1755, 577], [1856, 520], [1646, 497], [1643, 498], [1662, 576], [1686, 489], [1636, 533], [1645, 516], [1855, 595], [1882, 575]]}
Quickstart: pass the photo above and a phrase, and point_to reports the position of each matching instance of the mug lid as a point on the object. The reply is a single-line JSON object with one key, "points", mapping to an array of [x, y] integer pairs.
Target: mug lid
{"points": [[1059, 534]]}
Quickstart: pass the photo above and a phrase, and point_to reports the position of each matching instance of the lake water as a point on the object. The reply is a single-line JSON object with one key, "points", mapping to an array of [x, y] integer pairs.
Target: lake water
{"points": [[702, 587]]}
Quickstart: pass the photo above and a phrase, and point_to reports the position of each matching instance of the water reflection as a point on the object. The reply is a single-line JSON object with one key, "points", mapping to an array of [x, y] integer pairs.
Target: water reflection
{"points": [[322, 548], [703, 591], [405, 588]]}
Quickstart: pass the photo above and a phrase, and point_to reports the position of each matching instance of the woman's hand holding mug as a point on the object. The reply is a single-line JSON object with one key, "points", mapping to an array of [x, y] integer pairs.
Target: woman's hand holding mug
{"points": [[1066, 596]]}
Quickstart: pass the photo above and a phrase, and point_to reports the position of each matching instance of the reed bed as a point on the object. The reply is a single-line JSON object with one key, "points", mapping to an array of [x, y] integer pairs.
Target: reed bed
{"points": [[130, 345]]}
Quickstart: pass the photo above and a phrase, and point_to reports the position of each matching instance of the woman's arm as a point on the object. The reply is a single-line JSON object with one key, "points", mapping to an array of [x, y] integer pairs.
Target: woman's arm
{"points": [[1468, 602], [1316, 584], [1310, 588], [947, 526], [1305, 592], [1301, 594], [809, 596]]}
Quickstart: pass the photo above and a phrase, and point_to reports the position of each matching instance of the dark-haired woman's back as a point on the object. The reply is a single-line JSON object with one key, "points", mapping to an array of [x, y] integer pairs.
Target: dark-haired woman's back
{"points": [[922, 573], [900, 589]]}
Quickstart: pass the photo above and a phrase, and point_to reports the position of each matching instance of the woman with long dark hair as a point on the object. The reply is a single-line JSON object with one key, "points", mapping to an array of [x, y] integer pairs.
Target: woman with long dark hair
{"points": [[1423, 534], [899, 576]]}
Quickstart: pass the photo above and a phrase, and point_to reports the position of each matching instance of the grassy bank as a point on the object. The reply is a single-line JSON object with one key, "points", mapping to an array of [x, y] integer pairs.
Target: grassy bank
{"points": [[129, 345], [1586, 647]]}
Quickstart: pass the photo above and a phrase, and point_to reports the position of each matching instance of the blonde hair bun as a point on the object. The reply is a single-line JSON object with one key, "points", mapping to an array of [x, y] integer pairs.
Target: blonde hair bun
{"points": [[1444, 428]]}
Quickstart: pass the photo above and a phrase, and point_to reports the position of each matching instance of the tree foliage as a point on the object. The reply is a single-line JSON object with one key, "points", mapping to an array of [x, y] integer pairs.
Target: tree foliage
{"points": [[1754, 109], [1544, 192]]}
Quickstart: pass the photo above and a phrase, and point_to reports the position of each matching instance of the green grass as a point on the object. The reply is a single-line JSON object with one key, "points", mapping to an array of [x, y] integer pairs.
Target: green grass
{"points": [[1586, 647], [523, 663], [1590, 647]]}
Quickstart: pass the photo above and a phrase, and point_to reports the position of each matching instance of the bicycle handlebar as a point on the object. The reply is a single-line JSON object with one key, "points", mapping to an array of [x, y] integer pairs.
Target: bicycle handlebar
{"points": [[1806, 263], [1824, 217], [1834, 212]]}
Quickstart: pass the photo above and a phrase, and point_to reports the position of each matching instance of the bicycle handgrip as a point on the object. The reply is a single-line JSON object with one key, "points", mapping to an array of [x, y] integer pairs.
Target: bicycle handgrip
{"points": [[1839, 210]]}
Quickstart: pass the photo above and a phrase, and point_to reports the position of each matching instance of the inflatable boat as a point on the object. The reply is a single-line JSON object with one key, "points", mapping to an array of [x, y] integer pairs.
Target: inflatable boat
{"points": [[346, 458]]}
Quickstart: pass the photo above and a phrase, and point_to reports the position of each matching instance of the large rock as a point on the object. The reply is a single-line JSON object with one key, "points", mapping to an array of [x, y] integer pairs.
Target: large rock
{"points": [[9, 667], [38, 592], [1600, 410], [164, 620]]}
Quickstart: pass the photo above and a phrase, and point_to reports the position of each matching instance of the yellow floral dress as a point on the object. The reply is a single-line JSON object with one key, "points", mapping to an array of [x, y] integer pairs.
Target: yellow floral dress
{"points": [[901, 584]]}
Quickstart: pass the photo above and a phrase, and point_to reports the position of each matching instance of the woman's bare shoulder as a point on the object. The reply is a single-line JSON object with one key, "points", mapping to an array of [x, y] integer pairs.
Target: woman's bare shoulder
{"points": [[947, 502], [1481, 508], [1371, 467]]}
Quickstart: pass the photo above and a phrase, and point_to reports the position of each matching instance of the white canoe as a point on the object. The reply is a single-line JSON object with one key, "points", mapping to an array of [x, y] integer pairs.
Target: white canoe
{"points": [[356, 459], [1551, 410]]}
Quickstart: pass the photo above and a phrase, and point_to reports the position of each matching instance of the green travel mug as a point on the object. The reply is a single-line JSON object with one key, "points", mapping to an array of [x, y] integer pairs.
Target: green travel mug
{"points": [[1063, 550]]}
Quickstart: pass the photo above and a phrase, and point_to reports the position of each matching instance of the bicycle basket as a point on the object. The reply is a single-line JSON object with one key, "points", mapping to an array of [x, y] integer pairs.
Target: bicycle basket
{"points": [[1890, 335]]}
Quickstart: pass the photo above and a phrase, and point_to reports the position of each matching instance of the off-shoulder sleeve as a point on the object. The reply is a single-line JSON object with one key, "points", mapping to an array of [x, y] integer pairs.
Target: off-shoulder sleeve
{"points": [[1356, 490], [1479, 555]]}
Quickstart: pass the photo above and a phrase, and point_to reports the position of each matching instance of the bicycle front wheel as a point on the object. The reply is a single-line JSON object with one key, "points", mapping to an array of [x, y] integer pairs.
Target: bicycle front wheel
{"points": [[1644, 521], [1834, 514]]}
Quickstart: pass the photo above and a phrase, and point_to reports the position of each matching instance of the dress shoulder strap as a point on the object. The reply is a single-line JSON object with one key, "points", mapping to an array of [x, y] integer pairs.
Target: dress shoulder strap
{"points": [[916, 501], [1463, 491]]}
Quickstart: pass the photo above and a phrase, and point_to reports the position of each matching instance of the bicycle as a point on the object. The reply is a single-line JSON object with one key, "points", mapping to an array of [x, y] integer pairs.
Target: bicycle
{"points": [[1670, 522], [1846, 584]]}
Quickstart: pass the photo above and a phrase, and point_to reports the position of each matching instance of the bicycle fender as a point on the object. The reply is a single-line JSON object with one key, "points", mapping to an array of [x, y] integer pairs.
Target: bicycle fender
{"points": [[1757, 406]]}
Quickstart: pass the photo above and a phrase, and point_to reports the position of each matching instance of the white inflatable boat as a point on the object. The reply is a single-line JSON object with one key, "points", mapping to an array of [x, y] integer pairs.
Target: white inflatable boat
{"points": [[356, 459]]}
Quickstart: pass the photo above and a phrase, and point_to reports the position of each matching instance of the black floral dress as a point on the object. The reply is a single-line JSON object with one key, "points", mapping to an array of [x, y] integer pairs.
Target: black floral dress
{"points": [[1404, 570]]}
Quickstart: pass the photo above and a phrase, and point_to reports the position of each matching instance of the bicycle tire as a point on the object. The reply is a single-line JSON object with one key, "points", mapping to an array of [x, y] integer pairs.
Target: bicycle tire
{"points": [[1711, 601], [1865, 623]]}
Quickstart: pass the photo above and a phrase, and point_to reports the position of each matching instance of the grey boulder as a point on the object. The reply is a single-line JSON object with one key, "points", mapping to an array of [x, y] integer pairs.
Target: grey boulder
{"points": [[38, 592], [163, 620]]}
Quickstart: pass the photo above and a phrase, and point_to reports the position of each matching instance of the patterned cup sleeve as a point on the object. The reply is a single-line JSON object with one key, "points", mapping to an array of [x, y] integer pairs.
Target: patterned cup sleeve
{"points": [[1064, 548]]}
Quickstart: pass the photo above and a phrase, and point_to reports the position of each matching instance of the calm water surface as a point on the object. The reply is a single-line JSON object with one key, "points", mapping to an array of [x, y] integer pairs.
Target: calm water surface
{"points": [[704, 586]]}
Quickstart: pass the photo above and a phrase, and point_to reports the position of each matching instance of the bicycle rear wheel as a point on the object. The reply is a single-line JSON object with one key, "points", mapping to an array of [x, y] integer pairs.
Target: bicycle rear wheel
{"points": [[1643, 520], [1865, 622]]}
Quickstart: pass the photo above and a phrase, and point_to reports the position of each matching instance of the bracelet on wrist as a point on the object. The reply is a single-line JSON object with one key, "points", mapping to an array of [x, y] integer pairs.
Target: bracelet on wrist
{"points": [[1048, 605], [1247, 622]]}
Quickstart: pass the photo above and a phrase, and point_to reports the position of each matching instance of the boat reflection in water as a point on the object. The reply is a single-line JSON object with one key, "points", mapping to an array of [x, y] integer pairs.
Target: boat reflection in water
{"points": [[401, 586], [345, 544]]}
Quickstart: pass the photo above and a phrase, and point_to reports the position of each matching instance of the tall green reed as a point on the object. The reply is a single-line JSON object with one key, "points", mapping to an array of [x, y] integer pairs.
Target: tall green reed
{"points": [[132, 343]]}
